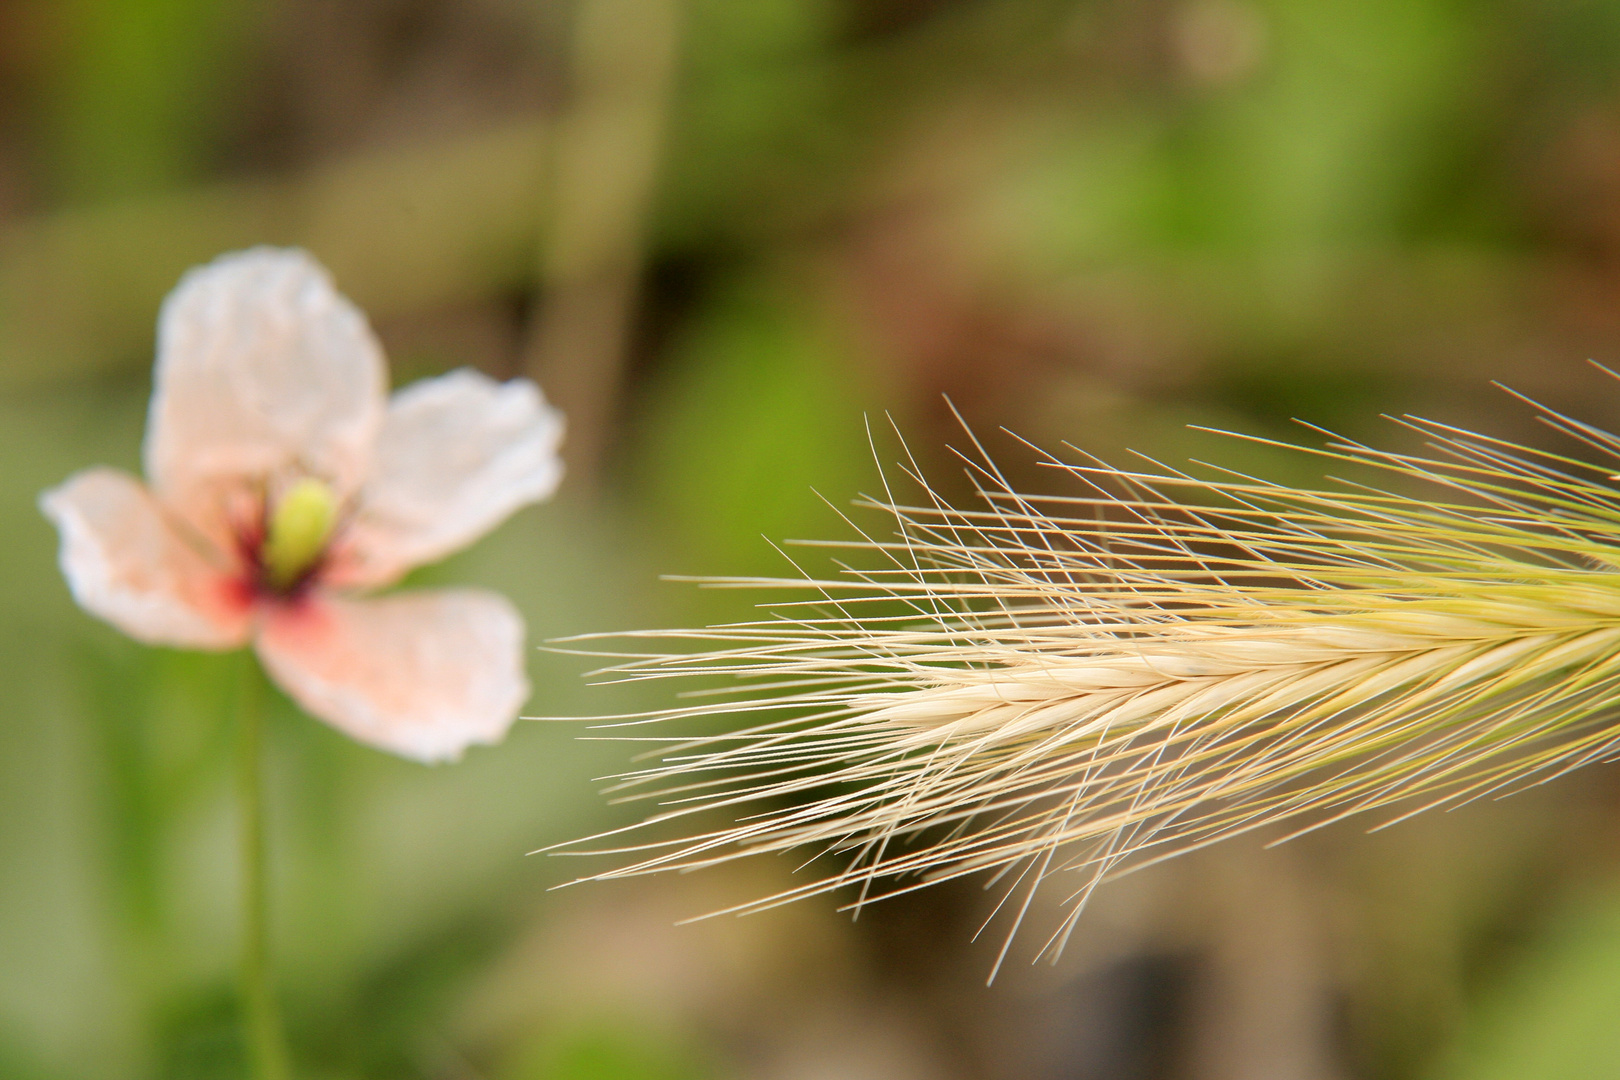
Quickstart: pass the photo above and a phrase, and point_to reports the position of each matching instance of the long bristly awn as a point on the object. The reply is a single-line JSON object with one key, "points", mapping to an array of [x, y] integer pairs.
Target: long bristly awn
{"points": [[1059, 689]]}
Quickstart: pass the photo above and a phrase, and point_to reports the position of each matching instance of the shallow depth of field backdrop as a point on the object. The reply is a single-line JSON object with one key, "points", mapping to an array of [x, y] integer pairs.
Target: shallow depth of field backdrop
{"points": [[720, 233]]}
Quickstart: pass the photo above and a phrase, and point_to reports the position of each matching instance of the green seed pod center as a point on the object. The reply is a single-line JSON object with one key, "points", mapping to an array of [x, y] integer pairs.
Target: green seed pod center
{"points": [[297, 532]]}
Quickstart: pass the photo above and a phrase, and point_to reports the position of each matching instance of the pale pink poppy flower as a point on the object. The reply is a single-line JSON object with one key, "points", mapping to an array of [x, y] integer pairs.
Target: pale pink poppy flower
{"points": [[282, 480]]}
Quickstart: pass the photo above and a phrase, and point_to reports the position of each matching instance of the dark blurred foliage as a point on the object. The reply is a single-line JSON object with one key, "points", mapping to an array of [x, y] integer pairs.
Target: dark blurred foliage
{"points": [[728, 235]]}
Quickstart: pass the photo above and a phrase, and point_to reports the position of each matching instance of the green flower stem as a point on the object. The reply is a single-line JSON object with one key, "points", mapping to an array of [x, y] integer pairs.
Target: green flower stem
{"points": [[261, 1020]]}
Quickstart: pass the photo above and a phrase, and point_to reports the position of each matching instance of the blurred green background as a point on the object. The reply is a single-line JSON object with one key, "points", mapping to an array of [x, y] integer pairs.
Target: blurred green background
{"points": [[723, 233]]}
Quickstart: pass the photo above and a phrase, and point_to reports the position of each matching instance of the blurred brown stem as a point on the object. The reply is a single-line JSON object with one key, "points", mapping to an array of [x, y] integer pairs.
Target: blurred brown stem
{"points": [[605, 165]]}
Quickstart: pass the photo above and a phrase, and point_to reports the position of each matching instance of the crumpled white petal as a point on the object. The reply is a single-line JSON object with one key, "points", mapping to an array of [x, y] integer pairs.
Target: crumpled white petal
{"points": [[125, 562], [456, 456], [422, 674], [263, 372]]}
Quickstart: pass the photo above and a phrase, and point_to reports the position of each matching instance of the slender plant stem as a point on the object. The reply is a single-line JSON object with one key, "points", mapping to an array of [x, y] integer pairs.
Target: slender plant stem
{"points": [[261, 1020]]}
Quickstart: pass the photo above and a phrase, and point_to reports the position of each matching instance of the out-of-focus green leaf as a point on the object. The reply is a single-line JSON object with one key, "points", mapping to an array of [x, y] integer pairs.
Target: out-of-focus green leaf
{"points": [[17, 1064], [752, 117], [142, 89], [198, 1035], [159, 727], [761, 409], [607, 1053], [389, 1024], [1556, 1015], [1349, 107]]}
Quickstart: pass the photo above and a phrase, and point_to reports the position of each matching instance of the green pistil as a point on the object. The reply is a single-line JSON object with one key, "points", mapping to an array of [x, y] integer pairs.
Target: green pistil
{"points": [[298, 529]]}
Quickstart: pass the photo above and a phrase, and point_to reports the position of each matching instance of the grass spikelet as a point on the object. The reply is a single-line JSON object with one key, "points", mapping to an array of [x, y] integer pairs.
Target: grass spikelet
{"points": [[1058, 689]]}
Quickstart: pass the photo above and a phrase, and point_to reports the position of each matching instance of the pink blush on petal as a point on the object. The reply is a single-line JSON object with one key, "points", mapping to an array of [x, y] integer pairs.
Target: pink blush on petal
{"points": [[302, 621], [235, 595], [423, 674]]}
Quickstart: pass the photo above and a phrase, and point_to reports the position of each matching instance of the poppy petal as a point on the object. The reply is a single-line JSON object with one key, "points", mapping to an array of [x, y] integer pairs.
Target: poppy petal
{"points": [[264, 373], [422, 674], [456, 456], [127, 563]]}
